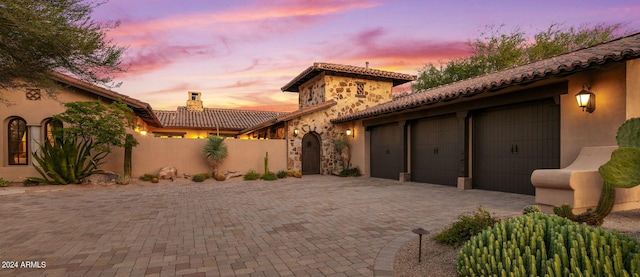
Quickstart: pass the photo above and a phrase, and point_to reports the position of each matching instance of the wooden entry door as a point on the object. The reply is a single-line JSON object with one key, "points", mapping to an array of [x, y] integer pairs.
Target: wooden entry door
{"points": [[310, 154]]}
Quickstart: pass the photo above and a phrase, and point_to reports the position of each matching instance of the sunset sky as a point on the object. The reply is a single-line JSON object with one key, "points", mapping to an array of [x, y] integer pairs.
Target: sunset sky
{"points": [[240, 53]]}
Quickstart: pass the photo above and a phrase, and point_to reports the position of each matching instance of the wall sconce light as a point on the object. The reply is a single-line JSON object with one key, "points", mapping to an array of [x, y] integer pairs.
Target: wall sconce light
{"points": [[296, 132], [143, 132], [586, 99], [349, 132]]}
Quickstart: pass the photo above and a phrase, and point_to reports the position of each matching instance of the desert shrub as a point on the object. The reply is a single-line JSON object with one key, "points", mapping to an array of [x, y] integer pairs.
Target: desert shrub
{"points": [[291, 172], [147, 177], [220, 177], [251, 175], [201, 177], [281, 174], [269, 176], [4, 183], [468, 225], [350, 172], [539, 244], [297, 174], [531, 209]]}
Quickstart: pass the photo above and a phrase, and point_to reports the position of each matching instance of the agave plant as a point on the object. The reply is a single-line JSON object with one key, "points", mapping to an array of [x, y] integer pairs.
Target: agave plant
{"points": [[67, 160], [215, 151]]}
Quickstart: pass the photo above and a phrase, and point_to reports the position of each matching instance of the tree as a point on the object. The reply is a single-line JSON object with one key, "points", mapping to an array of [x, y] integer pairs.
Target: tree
{"points": [[496, 50], [78, 148], [40, 36], [106, 126], [215, 151]]}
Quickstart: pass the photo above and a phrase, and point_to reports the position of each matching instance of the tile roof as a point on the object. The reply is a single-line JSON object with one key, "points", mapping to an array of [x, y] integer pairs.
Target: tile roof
{"points": [[210, 118], [142, 109], [625, 48], [291, 115], [350, 70]]}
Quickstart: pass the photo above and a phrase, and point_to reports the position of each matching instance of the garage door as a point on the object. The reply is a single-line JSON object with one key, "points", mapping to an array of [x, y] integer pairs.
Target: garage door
{"points": [[510, 142], [435, 157], [386, 151]]}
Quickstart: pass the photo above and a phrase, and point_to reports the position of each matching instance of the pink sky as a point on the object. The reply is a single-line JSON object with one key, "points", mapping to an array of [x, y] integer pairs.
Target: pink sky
{"points": [[240, 53]]}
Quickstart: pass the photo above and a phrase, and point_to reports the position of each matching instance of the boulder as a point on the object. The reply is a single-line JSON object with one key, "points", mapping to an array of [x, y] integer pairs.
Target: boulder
{"points": [[107, 178], [168, 172]]}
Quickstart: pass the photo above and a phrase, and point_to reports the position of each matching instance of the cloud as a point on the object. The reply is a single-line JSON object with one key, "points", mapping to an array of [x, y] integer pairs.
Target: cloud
{"points": [[147, 59], [254, 12]]}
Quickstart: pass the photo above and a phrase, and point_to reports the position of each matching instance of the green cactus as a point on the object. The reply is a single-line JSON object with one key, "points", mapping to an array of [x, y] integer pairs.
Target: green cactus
{"points": [[538, 244], [622, 171], [266, 163]]}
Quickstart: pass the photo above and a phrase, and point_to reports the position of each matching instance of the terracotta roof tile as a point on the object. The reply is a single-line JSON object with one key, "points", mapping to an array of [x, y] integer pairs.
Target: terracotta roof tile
{"points": [[210, 118], [625, 48], [291, 115], [317, 68]]}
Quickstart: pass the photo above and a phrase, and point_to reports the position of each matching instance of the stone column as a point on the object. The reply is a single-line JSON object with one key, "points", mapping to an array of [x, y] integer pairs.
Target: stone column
{"points": [[34, 138]]}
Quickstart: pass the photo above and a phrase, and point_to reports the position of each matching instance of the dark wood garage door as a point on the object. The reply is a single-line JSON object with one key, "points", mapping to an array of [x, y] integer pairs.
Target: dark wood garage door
{"points": [[510, 142], [386, 151], [435, 156]]}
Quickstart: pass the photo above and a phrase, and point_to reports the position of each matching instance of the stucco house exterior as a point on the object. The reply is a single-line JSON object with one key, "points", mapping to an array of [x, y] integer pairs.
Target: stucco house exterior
{"points": [[326, 91]]}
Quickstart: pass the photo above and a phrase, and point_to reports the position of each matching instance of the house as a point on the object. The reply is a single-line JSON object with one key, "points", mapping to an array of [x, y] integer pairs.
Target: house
{"points": [[26, 119], [196, 121], [326, 91], [491, 132]]}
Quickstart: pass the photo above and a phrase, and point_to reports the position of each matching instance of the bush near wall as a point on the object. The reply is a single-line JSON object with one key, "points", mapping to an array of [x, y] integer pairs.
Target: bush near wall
{"points": [[538, 244]]}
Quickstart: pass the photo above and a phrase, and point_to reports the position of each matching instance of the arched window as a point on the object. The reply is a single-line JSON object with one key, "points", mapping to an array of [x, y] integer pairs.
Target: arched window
{"points": [[18, 138], [49, 126]]}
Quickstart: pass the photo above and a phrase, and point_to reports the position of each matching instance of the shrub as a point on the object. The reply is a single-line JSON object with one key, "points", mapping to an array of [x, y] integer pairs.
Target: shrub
{"points": [[291, 172], [531, 209], [538, 244], [251, 175], [4, 183], [147, 177], [350, 172], [220, 177], [201, 177], [297, 174], [269, 176], [282, 174], [468, 225]]}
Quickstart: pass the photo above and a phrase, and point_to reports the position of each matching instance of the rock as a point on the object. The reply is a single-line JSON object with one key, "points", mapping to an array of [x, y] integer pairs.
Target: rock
{"points": [[107, 178], [231, 174], [168, 172]]}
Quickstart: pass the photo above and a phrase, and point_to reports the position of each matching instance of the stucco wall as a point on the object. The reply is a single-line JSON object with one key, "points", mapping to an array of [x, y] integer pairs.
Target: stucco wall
{"points": [[633, 89], [580, 129], [186, 155]]}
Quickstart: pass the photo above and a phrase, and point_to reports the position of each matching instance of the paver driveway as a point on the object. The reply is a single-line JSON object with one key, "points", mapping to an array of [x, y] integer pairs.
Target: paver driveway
{"points": [[317, 225]]}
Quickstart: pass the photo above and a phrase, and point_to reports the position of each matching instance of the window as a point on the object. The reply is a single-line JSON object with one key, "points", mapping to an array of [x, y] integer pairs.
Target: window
{"points": [[310, 92], [18, 152], [360, 89], [194, 96], [49, 126]]}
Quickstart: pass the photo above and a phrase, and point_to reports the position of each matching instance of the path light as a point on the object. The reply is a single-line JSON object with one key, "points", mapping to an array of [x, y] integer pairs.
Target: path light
{"points": [[586, 99], [420, 232]]}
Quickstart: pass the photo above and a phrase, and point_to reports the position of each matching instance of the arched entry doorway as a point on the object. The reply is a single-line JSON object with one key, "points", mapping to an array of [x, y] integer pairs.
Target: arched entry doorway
{"points": [[310, 154]]}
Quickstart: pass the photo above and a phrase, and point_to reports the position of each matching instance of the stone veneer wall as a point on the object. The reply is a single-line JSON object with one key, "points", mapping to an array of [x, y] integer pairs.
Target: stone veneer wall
{"points": [[343, 90]]}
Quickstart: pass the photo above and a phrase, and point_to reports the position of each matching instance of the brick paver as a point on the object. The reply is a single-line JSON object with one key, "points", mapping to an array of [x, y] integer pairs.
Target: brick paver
{"points": [[314, 226]]}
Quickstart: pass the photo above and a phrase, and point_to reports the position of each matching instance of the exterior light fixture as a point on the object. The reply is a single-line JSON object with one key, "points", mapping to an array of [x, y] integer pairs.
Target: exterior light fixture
{"points": [[143, 132], [586, 99], [296, 132], [349, 132]]}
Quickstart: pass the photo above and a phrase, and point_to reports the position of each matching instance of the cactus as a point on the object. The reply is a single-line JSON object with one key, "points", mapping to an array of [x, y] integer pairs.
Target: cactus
{"points": [[266, 163], [622, 171], [538, 244]]}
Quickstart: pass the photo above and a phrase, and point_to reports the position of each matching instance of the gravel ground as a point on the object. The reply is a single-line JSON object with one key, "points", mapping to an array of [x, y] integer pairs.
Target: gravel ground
{"points": [[439, 259]]}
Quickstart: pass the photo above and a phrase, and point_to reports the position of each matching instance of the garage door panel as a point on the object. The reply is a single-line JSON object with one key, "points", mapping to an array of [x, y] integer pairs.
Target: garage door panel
{"points": [[511, 142], [386, 151], [435, 154]]}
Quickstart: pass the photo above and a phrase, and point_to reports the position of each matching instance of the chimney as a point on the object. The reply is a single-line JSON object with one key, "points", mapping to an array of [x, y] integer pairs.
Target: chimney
{"points": [[367, 65], [194, 102]]}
